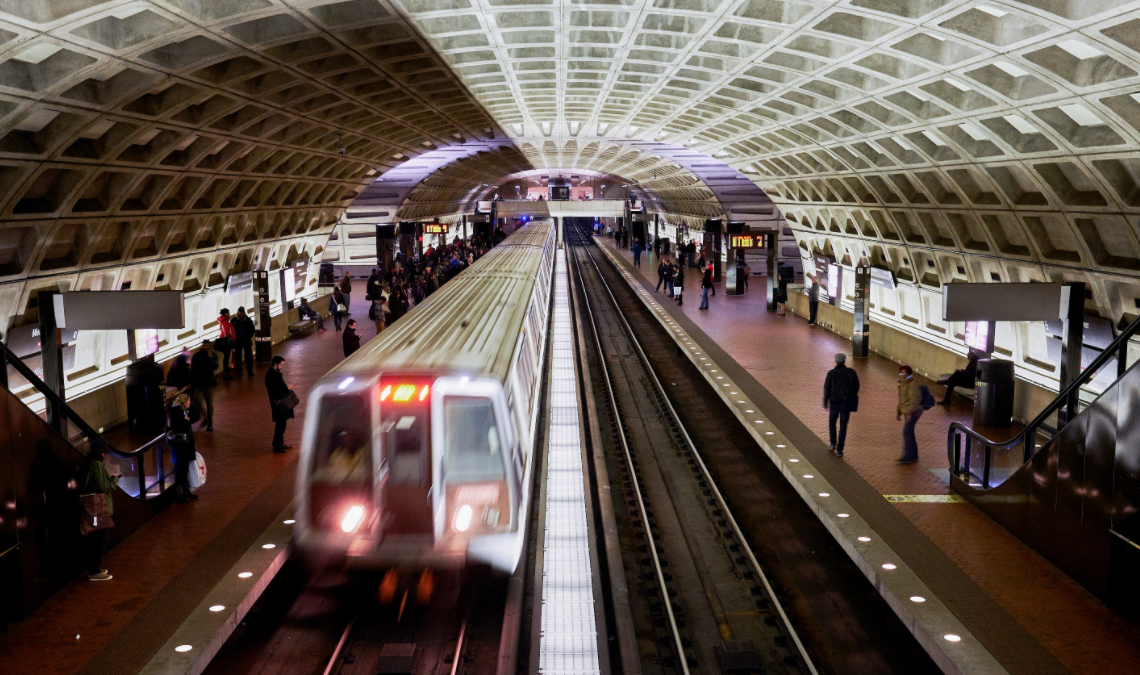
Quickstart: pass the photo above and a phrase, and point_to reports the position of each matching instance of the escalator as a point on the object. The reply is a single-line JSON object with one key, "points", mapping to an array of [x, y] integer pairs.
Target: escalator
{"points": [[1068, 485], [40, 467]]}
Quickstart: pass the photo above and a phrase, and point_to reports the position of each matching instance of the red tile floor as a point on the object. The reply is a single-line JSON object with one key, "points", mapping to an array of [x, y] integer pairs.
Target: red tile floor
{"points": [[74, 624], [791, 359]]}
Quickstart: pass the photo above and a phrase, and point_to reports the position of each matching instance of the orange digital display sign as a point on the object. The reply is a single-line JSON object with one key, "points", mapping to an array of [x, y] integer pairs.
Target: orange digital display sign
{"points": [[403, 393], [436, 228]]}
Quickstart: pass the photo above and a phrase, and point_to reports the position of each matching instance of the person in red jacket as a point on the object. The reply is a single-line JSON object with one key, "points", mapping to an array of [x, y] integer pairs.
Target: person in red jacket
{"points": [[226, 342]]}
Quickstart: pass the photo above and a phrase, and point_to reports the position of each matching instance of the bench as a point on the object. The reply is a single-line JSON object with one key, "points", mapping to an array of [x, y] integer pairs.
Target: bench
{"points": [[967, 392], [302, 326]]}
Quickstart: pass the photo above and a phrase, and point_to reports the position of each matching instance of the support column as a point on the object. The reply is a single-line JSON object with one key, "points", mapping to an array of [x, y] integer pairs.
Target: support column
{"points": [[1073, 306], [51, 351], [771, 262], [263, 336], [860, 337]]}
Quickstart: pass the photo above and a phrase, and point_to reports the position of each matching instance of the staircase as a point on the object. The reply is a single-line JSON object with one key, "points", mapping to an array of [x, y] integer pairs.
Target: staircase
{"points": [[1068, 484], [40, 463]]}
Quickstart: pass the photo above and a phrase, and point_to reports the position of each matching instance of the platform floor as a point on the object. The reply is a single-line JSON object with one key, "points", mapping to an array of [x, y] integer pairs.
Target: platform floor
{"points": [[789, 360], [164, 569]]}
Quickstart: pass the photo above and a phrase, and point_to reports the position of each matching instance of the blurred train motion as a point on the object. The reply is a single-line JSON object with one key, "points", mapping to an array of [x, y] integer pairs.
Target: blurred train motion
{"points": [[418, 450]]}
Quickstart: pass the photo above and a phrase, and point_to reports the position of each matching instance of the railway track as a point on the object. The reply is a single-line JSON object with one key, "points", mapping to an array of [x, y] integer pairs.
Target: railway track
{"points": [[728, 570], [693, 556]]}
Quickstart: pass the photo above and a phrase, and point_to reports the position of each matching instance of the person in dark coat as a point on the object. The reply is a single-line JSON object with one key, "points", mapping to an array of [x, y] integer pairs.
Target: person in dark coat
{"points": [[662, 269], [813, 299], [277, 389], [202, 369], [841, 398], [372, 288], [964, 377], [182, 442], [227, 340], [350, 340], [308, 312], [336, 301], [679, 285], [706, 286], [244, 331], [178, 377]]}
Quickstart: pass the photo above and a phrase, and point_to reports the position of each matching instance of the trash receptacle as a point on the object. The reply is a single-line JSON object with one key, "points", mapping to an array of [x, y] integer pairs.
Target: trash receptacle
{"points": [[146, 398], [993, 394]]}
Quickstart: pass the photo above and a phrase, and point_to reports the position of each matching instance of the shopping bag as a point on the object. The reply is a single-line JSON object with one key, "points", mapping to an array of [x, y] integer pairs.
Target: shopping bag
{"points": [[197, 473]]}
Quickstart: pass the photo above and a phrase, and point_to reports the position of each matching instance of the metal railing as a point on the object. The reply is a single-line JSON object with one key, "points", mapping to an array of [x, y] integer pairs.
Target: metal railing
{"points": [[965, 445], [147, 471]]}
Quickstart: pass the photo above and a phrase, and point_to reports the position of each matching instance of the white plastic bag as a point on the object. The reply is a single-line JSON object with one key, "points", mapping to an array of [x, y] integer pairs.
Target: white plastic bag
{"points": [[197, 472]]}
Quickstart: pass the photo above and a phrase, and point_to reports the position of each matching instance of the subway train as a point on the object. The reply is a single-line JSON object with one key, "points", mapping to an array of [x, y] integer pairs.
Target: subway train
{"points": [[418, 450]]}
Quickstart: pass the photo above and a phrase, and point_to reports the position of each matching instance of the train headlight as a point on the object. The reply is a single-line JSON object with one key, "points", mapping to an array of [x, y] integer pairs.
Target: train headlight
{"points": [[352, 518], [463, 518]]}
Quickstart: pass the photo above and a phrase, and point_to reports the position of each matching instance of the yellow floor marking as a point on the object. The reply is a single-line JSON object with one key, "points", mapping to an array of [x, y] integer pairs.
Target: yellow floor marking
{"points": [[925, 499]]}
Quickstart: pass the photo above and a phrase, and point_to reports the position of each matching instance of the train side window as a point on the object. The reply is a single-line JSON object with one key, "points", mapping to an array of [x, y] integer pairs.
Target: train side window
{"points": [[343, 454], [472, 451]]}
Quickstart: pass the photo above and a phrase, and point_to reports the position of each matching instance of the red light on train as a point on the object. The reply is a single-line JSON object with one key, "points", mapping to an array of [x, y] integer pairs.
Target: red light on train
{"points": [[424, 392], [384, 392]]}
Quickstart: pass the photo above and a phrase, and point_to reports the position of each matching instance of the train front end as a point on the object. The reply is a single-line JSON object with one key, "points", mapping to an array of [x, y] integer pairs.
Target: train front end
{"points": [[409, 472]]}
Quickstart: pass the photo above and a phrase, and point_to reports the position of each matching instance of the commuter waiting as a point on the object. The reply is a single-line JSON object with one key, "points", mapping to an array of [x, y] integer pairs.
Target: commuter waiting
{"points": [[965, 377], [244, 331], [308, 312], [202, 369]]}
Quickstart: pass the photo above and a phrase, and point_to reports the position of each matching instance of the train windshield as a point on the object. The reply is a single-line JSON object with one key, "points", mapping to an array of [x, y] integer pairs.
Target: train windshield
{"points": [[472, 453], [343, 450]]}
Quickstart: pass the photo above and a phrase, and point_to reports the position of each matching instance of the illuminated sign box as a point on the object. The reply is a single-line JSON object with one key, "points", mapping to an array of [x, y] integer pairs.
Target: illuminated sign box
{"points": [[436, 228], [746, 241], [146, 342]]}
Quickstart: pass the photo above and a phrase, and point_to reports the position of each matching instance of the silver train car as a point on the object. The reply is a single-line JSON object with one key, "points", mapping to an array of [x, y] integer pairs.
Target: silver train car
{"points": [[418, 450]]}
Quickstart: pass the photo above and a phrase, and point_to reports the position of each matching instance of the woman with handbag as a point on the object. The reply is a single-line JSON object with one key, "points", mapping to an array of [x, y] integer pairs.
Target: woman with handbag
{"points": [[181, 439], [97, 508], [282, 400], [337, 307]]}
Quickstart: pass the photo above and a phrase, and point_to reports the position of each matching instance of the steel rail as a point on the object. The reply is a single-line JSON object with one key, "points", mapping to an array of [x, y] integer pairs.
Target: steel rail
{"points": [[657, 567], [334, 660], [707, 474]]}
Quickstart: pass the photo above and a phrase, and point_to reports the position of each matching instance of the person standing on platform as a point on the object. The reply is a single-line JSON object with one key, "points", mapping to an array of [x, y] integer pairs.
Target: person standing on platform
{"points": [[279, 394], [784, 274], [346, 291], [662, 268], [350, 340], [202, 369], [182, 442], [378, 312], [178, 377], [372, 288], [706, 284], [712, 287], [243, 345], [747, 272], [679, 285], [909, 410], [226, 341], [813, 300], [637, 253], [98, 480], [841, 398], [965, 377], [336, 301], [670, 272]]}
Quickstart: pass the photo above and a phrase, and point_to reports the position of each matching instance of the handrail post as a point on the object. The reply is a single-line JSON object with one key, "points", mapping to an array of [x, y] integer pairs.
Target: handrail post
{"points": [[160, 467], [4, 368], [1073, 306], [986, 459], [1122, 359], [51, 354]]}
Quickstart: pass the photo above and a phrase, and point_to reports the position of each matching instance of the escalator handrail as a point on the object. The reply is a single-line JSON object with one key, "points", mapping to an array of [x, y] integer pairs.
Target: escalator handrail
{"points": [[1074, 386], [86, 429]]}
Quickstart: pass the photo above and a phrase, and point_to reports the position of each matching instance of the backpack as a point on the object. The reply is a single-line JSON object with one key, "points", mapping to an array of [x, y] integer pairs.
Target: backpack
{"points": [[927, 399]]}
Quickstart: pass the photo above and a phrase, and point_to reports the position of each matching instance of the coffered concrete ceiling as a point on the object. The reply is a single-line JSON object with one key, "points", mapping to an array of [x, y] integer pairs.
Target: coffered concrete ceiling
{"points": [[945, 139]]}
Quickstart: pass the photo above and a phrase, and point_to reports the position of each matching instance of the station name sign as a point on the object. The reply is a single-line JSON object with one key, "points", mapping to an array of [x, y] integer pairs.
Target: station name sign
{"points": [[436, 228]]}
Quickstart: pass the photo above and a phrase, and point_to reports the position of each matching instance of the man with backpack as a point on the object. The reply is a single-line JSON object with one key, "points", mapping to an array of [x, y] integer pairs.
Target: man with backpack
{"points": [[841, 398], [914, 399]]}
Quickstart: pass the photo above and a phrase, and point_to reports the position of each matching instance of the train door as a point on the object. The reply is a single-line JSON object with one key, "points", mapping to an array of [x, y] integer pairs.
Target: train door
{"points": [[405, 428]]}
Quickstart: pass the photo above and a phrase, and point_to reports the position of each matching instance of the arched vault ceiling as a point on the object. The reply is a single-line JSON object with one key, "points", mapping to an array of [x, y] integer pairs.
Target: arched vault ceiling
{"points": [[1003, 130]]}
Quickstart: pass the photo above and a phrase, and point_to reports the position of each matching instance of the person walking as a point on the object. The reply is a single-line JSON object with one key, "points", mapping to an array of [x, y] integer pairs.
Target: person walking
{"points": [[706, 284], [637, 253], [841, 398], [712, 287], [747, 272], [350, 340], [813, 300], [98, 480], [202, 369], [226, 341], [181, 439], [670, 272], [308, 312], [662, 268], [280, 394], [909, 410], [346, 291], [964, 377], [336, 302], [244, 331], [679, 285], [178, 377]]}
